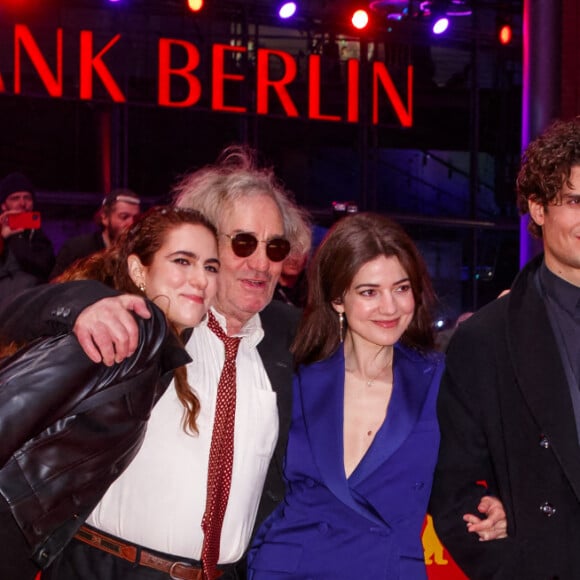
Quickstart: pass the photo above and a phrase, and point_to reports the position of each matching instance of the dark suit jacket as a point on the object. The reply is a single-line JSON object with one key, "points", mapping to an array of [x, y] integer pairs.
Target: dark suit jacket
{"points": [[33, 252], [279, 321], [506, 419], [369, 525], [76, 248]]}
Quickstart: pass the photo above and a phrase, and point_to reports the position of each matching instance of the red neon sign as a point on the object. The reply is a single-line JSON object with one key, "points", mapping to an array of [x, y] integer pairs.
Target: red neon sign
{"points": [[96, 58]]}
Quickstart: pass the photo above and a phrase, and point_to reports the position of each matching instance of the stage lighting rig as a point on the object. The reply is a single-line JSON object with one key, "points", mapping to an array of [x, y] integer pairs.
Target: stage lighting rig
{"points": [[287, 10], [415, 9]]}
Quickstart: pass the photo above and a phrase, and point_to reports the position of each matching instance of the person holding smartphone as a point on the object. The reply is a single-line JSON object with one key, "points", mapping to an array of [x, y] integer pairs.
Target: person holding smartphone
{"points": [[26, 253]]}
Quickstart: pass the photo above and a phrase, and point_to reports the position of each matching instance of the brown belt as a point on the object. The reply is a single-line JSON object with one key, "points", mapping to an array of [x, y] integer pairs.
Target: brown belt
{"points": [[174, 568]]}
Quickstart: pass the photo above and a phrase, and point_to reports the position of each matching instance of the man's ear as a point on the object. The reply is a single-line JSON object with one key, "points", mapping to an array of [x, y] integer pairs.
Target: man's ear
{"points": [[135, 268], [537, 211], [104, 217]]}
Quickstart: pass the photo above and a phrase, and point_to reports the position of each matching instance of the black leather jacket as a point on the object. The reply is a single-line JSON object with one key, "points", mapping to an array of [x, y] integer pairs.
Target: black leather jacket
{"points": [[69, 427]]}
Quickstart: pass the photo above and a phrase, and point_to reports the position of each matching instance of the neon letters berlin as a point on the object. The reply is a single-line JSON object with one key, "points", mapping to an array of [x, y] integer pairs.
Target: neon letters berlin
{"points": [[92, 63]]}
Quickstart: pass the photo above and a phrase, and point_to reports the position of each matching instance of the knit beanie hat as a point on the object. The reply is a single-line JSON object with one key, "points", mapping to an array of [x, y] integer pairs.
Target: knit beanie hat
{"points": [[14, 182]]}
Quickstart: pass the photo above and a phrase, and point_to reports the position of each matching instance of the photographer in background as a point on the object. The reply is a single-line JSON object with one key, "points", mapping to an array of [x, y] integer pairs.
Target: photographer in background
{"points": [[26, 254], [118, 212]]}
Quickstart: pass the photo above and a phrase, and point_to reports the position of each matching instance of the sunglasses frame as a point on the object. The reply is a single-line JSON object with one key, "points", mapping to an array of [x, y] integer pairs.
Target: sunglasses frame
{"points": [[252, 242]]}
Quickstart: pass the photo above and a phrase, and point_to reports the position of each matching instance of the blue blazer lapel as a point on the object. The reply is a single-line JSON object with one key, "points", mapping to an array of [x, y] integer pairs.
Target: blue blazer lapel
{"points": [[322, 394], [413, 375]]}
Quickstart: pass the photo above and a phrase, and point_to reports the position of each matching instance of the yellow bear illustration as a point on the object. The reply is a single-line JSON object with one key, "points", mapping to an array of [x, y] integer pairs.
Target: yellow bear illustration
{"points": [[432, 546]]}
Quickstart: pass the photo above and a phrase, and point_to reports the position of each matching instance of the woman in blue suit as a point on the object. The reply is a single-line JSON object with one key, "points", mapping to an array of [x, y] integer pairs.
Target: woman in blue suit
{"points": [[364, 435]]}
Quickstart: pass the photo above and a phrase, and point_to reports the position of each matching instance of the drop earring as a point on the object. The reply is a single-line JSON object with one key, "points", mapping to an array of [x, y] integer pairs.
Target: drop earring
{"points": [[141, 287], [340, 326]]}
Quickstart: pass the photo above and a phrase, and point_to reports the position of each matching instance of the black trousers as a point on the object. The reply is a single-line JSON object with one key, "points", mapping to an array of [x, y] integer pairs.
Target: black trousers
{"points": [[15, 563], [79, 561]]}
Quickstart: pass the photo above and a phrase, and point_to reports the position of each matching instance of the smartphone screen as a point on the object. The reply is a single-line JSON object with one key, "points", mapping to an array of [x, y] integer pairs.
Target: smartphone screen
{"points": [[26, 220]]}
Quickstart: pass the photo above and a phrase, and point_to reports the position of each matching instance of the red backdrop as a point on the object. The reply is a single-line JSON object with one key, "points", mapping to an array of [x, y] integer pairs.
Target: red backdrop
{"points": [[440, 565]]}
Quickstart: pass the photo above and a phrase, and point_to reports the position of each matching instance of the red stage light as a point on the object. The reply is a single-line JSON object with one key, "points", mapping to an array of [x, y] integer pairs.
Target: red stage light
{"points": [[195, 5], [505, 34], [360, 19], [23, 7]]}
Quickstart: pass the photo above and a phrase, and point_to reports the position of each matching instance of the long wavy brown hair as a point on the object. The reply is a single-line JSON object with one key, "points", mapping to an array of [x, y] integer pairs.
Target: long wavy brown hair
{"points": [[143, 239], [352, 242]]}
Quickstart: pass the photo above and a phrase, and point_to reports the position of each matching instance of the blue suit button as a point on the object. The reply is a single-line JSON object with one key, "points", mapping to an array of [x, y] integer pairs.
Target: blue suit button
{"points": [[323, 527]]}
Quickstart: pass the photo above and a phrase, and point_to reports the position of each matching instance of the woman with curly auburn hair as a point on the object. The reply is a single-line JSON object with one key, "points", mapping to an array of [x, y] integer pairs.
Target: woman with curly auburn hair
{"points": [[71, 427]]}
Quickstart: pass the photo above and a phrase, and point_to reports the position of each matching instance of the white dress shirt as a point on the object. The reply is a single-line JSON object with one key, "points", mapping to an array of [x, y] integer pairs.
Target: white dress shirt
{"points": [[159, 501]]}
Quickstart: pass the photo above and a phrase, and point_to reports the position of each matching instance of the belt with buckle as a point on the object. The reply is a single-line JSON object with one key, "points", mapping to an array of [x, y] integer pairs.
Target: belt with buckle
{"points": [[174, 568]]}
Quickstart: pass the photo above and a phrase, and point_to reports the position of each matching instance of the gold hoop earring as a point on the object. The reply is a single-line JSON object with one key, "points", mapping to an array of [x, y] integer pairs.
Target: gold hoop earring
{"points": [[340, 326]]}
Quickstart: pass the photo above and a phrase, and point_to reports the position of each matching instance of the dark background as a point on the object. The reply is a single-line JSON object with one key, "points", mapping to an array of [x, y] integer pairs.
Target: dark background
{"points": [[449, 179]]}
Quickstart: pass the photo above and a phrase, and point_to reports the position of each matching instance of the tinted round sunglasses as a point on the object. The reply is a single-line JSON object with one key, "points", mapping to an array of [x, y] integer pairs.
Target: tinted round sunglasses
{"points": [[244, 245]]}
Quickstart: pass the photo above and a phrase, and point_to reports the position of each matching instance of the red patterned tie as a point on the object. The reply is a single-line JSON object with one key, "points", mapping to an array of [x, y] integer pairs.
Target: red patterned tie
{"points": [[221, 454]]}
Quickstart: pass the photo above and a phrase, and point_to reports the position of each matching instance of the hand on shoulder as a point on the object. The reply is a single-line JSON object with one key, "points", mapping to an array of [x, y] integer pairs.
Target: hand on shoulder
{"points": [[107, 330]]}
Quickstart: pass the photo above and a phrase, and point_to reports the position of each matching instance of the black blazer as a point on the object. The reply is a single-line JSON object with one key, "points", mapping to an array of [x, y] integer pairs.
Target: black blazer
{"points": [[279, 321], [76, 248], [506, 418]]}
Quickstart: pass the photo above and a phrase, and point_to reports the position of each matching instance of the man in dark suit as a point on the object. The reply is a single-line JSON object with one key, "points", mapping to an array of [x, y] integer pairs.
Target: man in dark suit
{"points": [[256, 223], [509, 404]]}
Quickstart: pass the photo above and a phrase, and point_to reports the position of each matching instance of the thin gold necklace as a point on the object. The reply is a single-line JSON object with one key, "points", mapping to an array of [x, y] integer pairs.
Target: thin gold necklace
{"points": [[370, 382]]}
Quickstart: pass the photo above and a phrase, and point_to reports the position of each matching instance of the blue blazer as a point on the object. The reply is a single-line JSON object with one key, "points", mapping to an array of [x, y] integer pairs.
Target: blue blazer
{"points": [[369, 525]]}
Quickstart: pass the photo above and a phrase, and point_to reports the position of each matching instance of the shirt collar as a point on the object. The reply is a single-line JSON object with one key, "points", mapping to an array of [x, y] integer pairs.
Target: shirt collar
{"points": [[565, 294], [252, 332]]}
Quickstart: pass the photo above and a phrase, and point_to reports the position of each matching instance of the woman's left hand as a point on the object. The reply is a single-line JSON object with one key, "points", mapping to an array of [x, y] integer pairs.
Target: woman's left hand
{"points": [[494, 525]]}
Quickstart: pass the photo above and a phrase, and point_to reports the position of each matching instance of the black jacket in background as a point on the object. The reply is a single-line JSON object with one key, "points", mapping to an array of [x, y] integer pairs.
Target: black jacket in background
{"points": [[76, 248], [26, 260], [33, 252]]}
